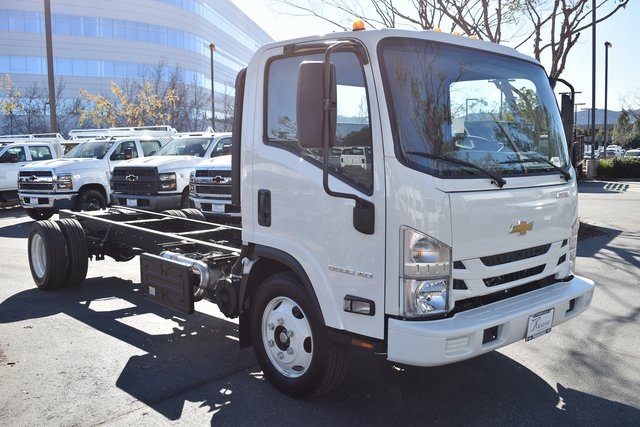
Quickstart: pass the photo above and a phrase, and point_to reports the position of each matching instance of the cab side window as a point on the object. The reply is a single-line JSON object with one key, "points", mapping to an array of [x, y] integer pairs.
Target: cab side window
{"points": [[125, 151], [13, 155], [150, 147], [351, 157], [222, 147], [40, 152]]}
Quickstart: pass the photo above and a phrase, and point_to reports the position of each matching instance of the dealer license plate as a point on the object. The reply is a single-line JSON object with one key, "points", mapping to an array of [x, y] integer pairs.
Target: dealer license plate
{"points": [[539, 324], [217, 208], [132, 202]]}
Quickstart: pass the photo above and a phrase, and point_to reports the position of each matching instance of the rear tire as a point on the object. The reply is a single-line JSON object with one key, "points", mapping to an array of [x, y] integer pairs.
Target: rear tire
{"points": [[290, 341], [40, 214], [174, 212], [193, 213], [91, 200], [47, 255], [77, 252]]}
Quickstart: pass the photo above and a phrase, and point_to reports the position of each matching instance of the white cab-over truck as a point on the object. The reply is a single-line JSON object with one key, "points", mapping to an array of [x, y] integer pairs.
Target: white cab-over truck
{"points": [[19, 150], [80, 180], [450, 245], [161, 182]]}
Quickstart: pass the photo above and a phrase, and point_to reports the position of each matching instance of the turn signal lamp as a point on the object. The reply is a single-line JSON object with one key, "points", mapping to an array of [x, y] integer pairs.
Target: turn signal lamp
{"points": [[358, 25]]}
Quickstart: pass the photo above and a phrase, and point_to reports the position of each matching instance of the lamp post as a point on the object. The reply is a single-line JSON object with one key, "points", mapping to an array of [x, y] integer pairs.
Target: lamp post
{"points": [[52, 88], [466, 111], [575, 118], [607, 45], [593, 75], [212, 48]]}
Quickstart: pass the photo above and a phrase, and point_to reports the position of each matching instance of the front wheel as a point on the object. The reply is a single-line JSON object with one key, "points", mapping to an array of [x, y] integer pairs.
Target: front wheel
{"points": [[290, 341], [91, 200], [40, 214]]}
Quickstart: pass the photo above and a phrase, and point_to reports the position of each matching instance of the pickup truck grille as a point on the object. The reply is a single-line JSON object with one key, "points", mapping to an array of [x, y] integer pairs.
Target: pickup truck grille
{"points": [[35, 181], [132, 180], [213, 183]]}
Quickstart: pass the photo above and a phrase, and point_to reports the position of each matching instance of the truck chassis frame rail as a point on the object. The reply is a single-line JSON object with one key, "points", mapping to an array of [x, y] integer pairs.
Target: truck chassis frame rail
{"points": [[182, 257]]}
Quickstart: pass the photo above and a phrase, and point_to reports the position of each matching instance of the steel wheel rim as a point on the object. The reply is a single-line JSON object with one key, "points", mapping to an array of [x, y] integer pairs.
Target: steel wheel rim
{"points": [[38, 255], [287, 337]]}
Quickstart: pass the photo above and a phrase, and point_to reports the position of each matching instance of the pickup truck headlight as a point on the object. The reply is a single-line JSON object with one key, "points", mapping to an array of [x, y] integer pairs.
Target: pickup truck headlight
{"points": [[426, 275], [192, 182], [65, 182], [573, 245], [168, 181]]}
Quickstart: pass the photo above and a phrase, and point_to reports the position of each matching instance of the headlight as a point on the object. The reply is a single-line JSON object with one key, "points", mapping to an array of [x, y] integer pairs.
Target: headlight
{"points": [[426, 275], [168, 181], [192, 182], [65, 182], [573, 245]]}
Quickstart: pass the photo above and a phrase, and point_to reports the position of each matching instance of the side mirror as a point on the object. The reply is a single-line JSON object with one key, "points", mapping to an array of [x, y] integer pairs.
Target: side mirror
{"points": [[311, 104]]}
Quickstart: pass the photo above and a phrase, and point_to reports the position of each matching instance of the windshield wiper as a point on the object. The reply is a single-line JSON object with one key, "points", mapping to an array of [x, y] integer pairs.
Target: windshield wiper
{"points": [[566, 175], [495, 178]]}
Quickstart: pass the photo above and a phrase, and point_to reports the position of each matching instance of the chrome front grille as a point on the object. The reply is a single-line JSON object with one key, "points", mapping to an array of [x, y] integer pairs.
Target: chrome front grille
{"points": [[35, 181]]}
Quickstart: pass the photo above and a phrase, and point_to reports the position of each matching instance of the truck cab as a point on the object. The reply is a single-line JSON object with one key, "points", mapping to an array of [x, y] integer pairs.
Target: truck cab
{"points": [[17, 151], [80, 180], [161, 182]]}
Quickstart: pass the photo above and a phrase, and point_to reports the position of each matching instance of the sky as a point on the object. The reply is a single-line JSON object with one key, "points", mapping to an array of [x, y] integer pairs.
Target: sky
{"points": [[622, 31]]}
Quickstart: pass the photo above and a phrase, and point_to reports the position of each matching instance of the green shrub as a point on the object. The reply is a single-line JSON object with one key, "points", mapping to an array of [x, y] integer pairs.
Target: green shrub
{"points": [[619, 167]]}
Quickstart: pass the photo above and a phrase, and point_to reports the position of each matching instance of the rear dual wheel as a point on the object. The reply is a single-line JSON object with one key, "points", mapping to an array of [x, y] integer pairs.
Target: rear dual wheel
{"points": [[58, 255]]}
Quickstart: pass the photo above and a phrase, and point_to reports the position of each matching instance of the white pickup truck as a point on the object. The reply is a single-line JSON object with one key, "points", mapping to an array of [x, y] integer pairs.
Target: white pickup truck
{"points": [[19, 150], [161, 182], [80, 180]]}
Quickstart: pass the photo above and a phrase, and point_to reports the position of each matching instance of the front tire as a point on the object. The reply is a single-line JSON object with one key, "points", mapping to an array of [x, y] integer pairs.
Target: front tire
{"points": [[290, 340], [40, 214], [91, 200]]}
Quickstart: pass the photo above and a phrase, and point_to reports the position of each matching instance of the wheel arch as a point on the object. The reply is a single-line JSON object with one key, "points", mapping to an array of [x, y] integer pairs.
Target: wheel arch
{"points": [[97, 187], [267, 262]]}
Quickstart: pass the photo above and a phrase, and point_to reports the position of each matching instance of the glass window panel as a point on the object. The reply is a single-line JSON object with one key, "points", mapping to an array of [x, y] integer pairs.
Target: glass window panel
{"points": [[120, 69], [18, 64], [143, 32], [63, 67], [90, 27], [108, 69], [106, 28], [61, 25], [32, 22], [119, 30], [34, 65], [75, 25], [5, 64], [16, 21], [132, 30], [154, 34], [4, 20], [93, 68], [79, 67]]}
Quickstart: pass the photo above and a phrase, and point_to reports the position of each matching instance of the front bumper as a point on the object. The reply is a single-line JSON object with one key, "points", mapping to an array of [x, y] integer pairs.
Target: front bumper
{"points": [[216, 207], [51, 201], [155, 202], [440, 342]]}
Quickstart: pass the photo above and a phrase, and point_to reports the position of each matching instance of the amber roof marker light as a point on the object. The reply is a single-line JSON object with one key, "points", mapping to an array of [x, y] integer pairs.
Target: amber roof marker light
{"points": [[358, 25]]}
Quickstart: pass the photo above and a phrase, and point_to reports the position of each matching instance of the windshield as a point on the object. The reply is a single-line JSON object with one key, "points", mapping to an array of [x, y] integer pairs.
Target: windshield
{"points": [[90, 149], [185, 147], [492, 111]]}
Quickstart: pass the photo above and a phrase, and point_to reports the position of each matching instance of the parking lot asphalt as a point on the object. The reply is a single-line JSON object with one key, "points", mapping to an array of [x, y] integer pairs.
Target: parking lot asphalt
{"points": [[102, 354]]}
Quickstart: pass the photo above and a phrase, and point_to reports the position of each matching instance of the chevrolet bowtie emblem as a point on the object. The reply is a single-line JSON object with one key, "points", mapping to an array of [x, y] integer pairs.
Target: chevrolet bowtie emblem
{"points": [[131, 177], [521, 228]]}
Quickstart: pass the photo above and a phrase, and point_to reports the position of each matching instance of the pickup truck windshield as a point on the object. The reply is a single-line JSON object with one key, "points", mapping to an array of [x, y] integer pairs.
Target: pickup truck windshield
{"points": [[90, 150], [185, 147], [492, 111]]}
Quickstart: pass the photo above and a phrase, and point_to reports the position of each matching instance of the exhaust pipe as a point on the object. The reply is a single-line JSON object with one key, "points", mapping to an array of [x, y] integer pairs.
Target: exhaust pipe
{"points": [[198, 267]]}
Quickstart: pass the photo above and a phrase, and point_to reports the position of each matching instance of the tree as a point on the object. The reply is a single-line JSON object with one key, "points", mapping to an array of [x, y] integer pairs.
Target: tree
{"points": [[622, 130], [552, 27], [160, 97], [25, 112]]}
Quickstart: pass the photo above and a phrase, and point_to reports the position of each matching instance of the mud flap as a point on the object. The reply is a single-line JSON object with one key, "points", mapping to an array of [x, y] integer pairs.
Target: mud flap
{"points": [[168, 282]]}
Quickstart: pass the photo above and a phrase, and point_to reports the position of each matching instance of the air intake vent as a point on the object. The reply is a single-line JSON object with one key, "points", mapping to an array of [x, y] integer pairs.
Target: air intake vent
{"points": [[508, 257]]}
